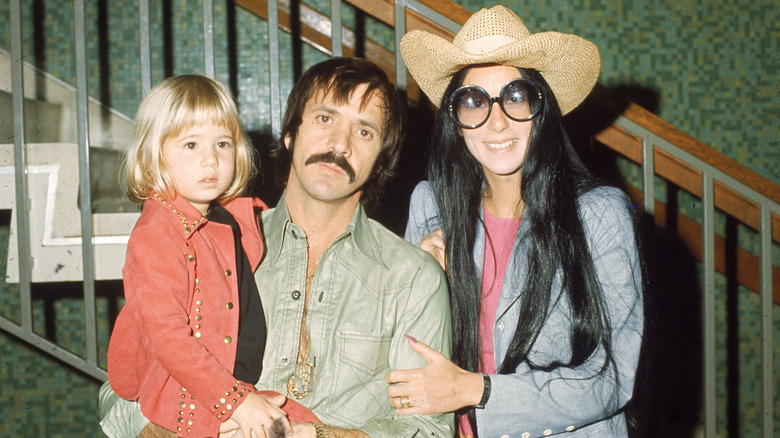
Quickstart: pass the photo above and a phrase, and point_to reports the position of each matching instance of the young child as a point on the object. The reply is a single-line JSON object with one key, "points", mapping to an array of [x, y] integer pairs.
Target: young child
{"points": [[188, 345]]}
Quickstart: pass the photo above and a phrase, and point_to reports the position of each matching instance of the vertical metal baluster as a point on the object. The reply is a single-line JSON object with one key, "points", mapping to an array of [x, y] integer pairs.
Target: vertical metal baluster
{"points": [[82, 111], [767, 308], [144, 34], [708, 311], [20, 166], [208, 38], [399, 31], [648, 174], [273, 64], [335, 28]]}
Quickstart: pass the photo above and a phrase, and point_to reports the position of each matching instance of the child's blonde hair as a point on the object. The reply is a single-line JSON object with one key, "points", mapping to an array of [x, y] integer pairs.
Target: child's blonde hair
{"points": [[172, 105]]}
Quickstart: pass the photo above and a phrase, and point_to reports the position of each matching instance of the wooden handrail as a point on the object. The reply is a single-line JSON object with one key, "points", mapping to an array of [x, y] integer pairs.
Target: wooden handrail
{"points": [[689, 178], [683, 175]]}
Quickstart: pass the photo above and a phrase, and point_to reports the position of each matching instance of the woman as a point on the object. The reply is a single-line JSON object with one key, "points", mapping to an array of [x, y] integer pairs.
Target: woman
{"points": [[545, 275]]}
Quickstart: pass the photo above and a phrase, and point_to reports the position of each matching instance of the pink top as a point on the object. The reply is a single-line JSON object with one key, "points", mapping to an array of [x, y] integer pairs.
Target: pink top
{"points": [[499, 240]]}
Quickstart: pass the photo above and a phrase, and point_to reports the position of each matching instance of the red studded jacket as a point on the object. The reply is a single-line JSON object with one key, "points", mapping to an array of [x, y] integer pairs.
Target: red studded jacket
{"points": [[173, 344]]}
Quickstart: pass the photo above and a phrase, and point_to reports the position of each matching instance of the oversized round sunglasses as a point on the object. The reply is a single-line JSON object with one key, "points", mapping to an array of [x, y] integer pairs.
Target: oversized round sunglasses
{"points": [[521, 100]]}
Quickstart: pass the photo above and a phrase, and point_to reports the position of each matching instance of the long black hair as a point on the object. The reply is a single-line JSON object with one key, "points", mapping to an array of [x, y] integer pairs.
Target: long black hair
{"points": [[553, 177]]}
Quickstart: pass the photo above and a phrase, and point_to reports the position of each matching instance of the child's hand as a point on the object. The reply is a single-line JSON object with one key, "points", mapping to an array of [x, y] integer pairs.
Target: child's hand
{"points": [[263, 416], [434, 244]]}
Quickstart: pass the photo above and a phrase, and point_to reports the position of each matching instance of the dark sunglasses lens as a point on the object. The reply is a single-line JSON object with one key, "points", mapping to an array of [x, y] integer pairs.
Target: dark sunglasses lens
{"points": [[521, 100], [470, 106]]}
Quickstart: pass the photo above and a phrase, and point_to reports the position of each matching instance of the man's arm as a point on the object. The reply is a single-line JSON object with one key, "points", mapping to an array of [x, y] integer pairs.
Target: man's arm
{"points": [[426, 317]]}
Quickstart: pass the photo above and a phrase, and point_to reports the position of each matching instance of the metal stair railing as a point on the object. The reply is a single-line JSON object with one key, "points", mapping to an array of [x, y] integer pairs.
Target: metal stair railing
{"points": [[24, 331], [710, 175]]}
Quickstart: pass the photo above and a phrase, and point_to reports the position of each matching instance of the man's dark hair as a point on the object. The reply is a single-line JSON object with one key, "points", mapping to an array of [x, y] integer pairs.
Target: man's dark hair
{"points": [[338, 78]]}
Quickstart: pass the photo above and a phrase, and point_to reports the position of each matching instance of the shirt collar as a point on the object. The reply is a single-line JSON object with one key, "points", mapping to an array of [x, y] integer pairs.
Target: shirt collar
{"points": [[191, 219], [359, 231]]}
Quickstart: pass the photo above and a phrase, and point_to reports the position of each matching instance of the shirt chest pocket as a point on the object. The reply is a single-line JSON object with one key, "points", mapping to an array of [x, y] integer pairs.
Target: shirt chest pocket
{"points": [[359, 392], [368, 354]]}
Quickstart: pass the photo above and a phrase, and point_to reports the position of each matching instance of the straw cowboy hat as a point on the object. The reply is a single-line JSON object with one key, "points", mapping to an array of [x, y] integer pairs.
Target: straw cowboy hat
{"points": [[568, 63]]}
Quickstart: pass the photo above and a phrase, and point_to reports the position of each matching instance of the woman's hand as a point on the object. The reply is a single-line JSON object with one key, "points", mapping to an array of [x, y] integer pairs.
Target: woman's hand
{"points": [[261, 417], [439, 387], [434, 244]]}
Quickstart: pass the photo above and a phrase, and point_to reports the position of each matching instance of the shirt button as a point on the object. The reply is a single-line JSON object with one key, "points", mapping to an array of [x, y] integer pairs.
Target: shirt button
{"points": [[284, 359], [190, 257], [296, 294], [547, 432], [229, 305], [526, 435], [228, 273], [570, 428], [199, 302], [501, 326], [504, 436], [228, 339]]}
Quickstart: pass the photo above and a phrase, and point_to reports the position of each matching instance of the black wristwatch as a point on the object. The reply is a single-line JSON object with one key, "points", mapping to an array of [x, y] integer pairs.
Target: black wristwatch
{"points": [[485, 392]]}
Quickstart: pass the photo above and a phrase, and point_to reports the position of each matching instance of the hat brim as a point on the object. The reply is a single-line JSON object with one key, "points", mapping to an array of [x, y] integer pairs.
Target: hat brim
{"points": [[568, 63]]}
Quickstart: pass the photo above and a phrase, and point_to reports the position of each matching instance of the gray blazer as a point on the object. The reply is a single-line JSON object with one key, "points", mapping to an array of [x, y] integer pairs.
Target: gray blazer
{"points": [[574, 402]]}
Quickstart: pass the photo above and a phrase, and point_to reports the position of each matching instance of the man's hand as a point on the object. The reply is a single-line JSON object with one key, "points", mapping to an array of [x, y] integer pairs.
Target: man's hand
{"points": [[434, 244], [439, 387]]}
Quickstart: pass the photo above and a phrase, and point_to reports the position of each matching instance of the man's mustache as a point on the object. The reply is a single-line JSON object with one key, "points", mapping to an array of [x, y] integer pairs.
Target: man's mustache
{"points": [[337, 159]]}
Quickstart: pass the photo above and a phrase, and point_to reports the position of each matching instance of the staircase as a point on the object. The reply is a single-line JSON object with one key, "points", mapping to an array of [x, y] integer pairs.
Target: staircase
{"points": [[667, 160]]}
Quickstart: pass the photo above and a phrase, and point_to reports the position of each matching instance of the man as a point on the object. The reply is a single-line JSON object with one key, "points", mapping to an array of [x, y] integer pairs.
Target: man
{"points": [[341, 293]]}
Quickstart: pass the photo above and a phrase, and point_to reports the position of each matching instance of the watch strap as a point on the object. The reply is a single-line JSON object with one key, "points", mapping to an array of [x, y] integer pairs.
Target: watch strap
{"points": [[486, 385]]}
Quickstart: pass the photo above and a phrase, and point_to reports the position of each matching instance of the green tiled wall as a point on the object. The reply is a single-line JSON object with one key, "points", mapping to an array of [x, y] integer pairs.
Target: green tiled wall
{"points": [[709, 68]]}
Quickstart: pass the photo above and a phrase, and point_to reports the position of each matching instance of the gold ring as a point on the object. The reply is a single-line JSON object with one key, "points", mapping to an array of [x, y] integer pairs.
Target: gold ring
{"points": [[405, 402]]}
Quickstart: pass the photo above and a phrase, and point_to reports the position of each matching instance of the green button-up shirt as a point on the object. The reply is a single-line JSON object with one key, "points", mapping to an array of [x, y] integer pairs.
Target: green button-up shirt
{"points": [[371, 288]]}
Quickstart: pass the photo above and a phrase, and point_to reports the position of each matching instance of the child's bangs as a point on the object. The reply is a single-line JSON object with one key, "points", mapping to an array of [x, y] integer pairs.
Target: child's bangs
{"points": [[202, 108]]}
